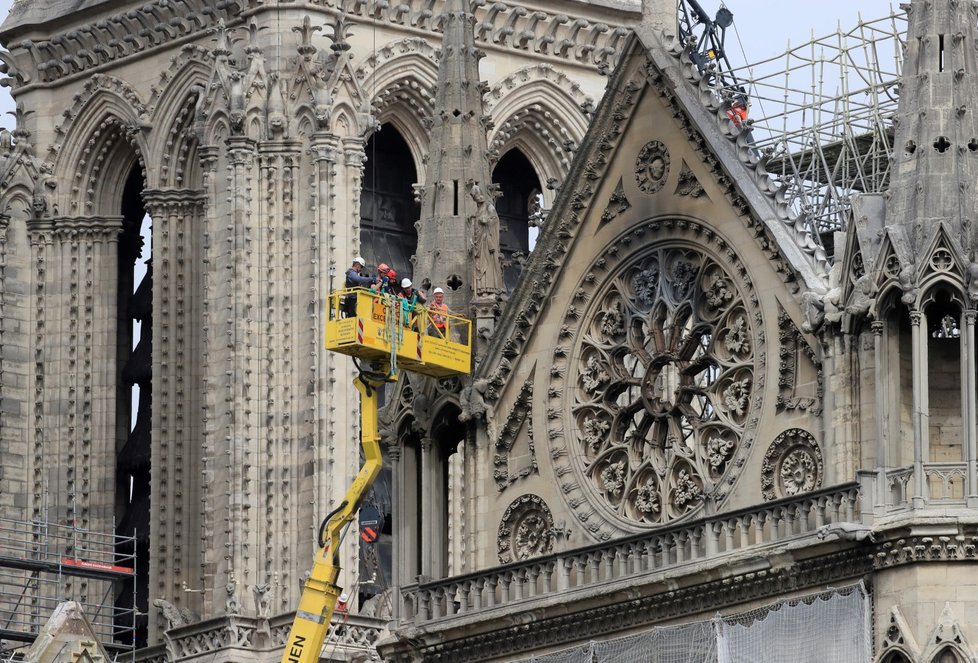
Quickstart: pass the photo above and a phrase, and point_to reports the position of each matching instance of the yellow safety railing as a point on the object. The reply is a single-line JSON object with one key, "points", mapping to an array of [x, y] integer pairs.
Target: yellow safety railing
{"points": [[372, 325]]}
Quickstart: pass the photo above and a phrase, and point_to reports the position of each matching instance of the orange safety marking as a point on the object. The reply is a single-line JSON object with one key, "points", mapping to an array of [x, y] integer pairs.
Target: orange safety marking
{"points": [[98, 566]]}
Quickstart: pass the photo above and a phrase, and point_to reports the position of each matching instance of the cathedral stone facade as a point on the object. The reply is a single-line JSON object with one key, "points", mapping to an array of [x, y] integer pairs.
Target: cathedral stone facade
{"points": [[689, 431]]}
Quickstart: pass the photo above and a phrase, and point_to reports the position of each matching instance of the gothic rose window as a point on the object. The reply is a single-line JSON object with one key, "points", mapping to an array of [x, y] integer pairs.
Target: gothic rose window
{"points": [[663, 383]]}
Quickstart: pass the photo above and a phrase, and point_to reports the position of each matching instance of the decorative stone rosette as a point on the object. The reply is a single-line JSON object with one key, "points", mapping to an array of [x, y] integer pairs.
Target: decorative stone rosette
{"points": [[526, 530], [792, 465], [661, 384]]}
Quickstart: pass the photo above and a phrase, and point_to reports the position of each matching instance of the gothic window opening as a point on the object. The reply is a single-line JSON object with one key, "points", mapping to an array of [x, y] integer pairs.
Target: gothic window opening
{"points": [[387, 207], [520, 189], [896, 657], [945, 427], [445, 492], [898, 388], [134, 402]]}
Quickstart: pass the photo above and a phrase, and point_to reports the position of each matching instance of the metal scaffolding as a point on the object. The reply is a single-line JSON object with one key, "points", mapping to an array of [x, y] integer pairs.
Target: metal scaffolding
{"points": [[823, 112], [42, 565]]}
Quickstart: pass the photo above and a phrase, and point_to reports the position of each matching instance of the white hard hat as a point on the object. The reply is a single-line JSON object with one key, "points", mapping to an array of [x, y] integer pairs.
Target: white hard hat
{"points": [[405, 282], [344, 597], [439, 290], [360, 260]]}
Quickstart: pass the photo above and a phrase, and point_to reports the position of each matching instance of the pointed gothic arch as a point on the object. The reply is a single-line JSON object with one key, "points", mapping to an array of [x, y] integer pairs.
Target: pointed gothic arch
{"points": [[542, 136], [104, 139], [895, 656], [388, 209], [401, 85]]}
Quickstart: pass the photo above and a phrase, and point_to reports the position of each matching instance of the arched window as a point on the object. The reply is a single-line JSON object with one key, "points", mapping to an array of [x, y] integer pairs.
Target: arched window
{"points": [[520, 187], [945, 425], [387, 207], [947, 655], [133, 423], [895, 657]]}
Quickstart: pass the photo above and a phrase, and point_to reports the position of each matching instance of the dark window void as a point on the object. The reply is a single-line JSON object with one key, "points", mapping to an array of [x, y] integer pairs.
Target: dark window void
{"points": [[940, 53], [387, 207], [135, 351], [519, 186]]}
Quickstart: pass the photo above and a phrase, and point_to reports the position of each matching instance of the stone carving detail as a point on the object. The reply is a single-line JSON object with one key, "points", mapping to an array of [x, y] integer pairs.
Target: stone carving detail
{"points": [[793, 347], [899, 637], [652, 167], [792, 465], [526, 530], [155, 24], [519, 418], [688, 185], [485, 243], [617, 204], [662, 383]]}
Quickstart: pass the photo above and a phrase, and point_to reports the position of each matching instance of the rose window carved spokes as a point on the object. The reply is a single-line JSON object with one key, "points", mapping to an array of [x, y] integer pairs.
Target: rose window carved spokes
{"points": [[664, 384]]}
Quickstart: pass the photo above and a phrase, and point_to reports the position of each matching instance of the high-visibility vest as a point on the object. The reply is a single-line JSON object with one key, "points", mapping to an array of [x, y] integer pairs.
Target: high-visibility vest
{"points": [[438, 313]]}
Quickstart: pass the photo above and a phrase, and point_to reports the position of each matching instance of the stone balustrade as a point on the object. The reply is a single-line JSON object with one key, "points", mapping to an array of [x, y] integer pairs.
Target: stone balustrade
{"points": [[941, 484], [709, 538]]}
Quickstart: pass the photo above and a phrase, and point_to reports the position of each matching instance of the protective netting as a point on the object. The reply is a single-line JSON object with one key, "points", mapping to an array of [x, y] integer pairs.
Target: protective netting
{"points": [[830, 626], [825, 627]]}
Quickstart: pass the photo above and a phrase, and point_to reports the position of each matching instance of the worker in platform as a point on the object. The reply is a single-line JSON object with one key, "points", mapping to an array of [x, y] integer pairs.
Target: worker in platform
{"points": [[438, 312], [355, 278], [386, 280], [737, 112], [411, 298]]}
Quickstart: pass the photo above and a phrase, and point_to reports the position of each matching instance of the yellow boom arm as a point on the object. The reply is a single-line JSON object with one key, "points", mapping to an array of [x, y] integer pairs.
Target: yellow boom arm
{"points": [[320, 592]]}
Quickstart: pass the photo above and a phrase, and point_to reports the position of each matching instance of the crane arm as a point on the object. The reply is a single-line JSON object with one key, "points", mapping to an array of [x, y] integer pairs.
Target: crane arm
{"points": [[320, 592]]}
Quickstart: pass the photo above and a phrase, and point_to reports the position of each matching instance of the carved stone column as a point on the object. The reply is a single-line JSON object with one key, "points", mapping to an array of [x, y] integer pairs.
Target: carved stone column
{"points": [[918, 341], [431, 542], [398, 498], [882, 412], [76, 371], [969, 390], [175, 527]]}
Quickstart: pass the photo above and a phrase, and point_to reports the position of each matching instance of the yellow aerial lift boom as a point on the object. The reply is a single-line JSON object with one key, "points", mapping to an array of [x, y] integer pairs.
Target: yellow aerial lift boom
{"points": [[381, 330]]}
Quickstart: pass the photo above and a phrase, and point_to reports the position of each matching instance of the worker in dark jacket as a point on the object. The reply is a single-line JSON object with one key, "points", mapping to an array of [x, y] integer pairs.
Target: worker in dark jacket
{"points": [[355, 278]]}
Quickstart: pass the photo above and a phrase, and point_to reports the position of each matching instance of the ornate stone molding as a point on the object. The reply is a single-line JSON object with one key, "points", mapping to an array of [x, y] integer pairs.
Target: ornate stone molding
{"points": [[652, 167], [792, 465], [107, 41], [519, 417], [793, 347], [688, 185], [526, 530], [617, 204], [506, 26]]}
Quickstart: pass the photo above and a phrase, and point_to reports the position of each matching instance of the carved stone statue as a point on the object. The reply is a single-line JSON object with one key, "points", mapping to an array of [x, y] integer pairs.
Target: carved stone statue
{"points": [[861, 299], [910, 291], [485, 244], [173, 616], [261, 600], [973, 282], [473, 402]]}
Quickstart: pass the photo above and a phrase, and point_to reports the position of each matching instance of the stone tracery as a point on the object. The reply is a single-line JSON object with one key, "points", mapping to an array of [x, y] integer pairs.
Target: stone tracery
{"points": [[664, 377]]}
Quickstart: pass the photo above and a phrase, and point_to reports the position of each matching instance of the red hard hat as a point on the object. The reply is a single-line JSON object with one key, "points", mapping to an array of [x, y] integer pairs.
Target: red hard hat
{"points": [[391, 274], [383, 268]]}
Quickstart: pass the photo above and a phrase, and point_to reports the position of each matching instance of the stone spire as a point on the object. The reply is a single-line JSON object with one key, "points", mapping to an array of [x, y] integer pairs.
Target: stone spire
{"points": [[458, 235], [935, 165]]}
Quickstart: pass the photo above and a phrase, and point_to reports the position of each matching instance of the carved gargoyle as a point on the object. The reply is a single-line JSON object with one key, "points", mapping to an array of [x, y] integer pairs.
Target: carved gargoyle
{"points": [[174, 616]]}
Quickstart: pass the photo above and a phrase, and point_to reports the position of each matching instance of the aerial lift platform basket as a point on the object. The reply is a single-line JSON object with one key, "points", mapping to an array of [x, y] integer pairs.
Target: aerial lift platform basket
{"points": [[381, 334], [377, 323]]}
